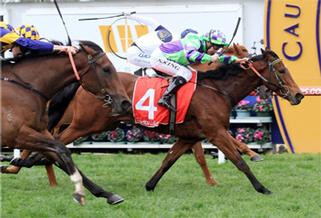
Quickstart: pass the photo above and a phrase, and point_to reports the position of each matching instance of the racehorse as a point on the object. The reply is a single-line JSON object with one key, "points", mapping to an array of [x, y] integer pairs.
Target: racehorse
{"points": [[77, 105], [26, 87], [208, 113]]}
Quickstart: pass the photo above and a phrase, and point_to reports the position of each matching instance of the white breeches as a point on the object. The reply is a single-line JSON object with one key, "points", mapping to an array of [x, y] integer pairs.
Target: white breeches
{"points": [[161, 63], [138, 57], [140, 53]]}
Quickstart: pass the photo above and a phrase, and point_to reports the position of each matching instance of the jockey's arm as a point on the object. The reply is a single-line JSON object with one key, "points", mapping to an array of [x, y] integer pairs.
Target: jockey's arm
{"points": [[226, 59], [37, 45], [147, 21]]}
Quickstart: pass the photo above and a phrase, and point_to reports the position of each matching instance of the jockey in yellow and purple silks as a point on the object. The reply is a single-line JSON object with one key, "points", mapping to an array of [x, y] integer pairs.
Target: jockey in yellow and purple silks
{"points": [[28, 39], [174, 57]]}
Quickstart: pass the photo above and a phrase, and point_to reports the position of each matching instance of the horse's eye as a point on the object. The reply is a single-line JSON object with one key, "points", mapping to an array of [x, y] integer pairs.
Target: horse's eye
{"points": [[282, 71], [106, 69]]}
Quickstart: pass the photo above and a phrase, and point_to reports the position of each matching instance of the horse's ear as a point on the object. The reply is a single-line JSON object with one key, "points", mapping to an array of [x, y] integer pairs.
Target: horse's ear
{"points": [[262, 50], [236, 48]]}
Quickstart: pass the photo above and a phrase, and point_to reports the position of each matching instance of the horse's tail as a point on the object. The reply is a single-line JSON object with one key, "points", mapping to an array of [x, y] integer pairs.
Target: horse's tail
{"points": [[59, 104]]}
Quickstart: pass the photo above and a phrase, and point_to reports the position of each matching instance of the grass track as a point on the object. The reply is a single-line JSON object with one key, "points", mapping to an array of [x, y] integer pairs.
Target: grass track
{"points": [[295, 181]]}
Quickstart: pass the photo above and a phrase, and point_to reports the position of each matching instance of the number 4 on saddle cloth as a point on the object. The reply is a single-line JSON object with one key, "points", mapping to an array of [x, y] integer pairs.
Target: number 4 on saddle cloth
{"points": [[146, 94]]}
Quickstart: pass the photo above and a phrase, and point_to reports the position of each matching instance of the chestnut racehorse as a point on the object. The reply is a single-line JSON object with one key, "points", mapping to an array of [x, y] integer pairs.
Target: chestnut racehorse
{"points": [[26, 87], [208, 113]]}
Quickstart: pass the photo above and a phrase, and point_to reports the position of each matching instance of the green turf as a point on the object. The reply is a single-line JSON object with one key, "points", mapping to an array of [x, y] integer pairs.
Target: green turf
{"points": [[295, 181]]}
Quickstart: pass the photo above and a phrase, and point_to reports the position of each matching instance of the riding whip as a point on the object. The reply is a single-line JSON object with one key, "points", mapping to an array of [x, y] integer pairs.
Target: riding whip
{"points": [[109, 29], [235, 31], [63, 22], [100, 18]]}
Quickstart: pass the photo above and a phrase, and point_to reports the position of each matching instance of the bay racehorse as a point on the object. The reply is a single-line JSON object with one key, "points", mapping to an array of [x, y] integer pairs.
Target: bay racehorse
{"points": [[26, 87], [76, 107]]}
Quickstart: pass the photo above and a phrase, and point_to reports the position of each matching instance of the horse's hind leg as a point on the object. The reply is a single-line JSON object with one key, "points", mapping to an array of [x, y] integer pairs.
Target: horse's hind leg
{"points": [[243, 148], [224, 141], [13, 169], [200, 158], [173, 154]]}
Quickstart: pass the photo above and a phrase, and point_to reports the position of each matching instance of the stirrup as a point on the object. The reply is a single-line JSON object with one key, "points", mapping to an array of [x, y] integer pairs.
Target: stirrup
{"points": [[166, 104]]}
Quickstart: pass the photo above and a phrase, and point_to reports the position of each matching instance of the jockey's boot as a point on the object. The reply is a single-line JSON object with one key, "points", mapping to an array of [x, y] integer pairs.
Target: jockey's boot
{"points": [[172, 88]]}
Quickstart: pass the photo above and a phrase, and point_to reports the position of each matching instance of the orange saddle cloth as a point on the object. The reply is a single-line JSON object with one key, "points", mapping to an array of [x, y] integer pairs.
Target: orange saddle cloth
{"points": [[146, 94]]}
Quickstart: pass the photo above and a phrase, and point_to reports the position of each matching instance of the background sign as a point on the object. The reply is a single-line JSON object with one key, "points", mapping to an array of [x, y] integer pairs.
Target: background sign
{"points": [[292, 30], [176, 18]]}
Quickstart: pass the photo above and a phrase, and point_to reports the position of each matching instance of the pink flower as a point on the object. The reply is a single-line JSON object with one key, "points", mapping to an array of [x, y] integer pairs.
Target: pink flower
{"points": [[241, 130]]}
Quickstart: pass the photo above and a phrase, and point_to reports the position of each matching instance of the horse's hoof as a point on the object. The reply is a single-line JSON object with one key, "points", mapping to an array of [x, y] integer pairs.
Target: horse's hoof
{"points": [[256, 158], [266, 192], [79, 198], [212, 182], [3, 169], [115, 199], [149, 187]]}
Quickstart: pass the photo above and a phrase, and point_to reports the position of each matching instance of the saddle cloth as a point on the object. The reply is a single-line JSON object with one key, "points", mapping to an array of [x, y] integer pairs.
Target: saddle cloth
{"points": [[146, 94]]}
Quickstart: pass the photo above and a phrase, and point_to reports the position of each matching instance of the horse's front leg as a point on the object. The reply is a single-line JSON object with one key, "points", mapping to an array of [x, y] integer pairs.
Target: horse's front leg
{"points": [[173, 154], [43, 142], [200, 158], [224, 141]]}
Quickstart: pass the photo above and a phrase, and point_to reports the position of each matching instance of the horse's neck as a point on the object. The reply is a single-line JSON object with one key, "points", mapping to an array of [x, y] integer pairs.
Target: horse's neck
{"points": [[128, 81], [48, 76], [239, 86]]}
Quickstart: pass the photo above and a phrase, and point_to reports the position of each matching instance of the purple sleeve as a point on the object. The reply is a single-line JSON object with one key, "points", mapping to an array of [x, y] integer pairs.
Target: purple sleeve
{"points": [[35, 45]]}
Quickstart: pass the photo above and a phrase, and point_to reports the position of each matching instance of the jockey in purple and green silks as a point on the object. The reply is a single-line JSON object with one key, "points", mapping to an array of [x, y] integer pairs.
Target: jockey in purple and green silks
{"points": [[193, 49], [174, 57]]}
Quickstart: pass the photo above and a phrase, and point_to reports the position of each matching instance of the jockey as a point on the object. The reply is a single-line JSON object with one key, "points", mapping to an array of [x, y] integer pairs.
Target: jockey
{"points": [[28, 39], [174, 57], [140, 51]]}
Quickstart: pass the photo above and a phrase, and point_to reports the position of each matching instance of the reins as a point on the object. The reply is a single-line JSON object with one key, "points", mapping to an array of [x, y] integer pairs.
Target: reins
{"points": [[72, 61], [26, 86], [91, 60]]}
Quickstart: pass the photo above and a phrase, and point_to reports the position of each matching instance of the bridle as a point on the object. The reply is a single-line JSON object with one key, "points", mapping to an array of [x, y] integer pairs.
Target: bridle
{"points": [[284, 90], [92, 61]]}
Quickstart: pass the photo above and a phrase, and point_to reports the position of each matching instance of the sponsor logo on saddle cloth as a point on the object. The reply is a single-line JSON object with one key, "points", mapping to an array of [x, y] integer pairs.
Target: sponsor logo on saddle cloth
{"points": [[146, 94]]}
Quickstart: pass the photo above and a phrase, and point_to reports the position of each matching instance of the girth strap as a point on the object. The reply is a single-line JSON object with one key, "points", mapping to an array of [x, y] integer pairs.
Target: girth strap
{"points": [[26, 86]]}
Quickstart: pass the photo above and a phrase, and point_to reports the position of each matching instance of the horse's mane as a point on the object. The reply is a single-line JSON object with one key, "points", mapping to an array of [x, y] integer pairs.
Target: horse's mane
{"points": [[59, 103], [222, 73], [91, 45]]}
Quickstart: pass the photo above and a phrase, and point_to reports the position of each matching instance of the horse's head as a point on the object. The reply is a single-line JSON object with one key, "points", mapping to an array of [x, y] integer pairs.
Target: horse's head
{"points": [[238, 50], [101, 78], [277, 77]]}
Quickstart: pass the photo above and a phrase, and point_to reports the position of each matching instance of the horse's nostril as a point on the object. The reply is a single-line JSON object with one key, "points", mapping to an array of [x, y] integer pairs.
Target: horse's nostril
{"points": [[126, 106], [299, 96]]}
